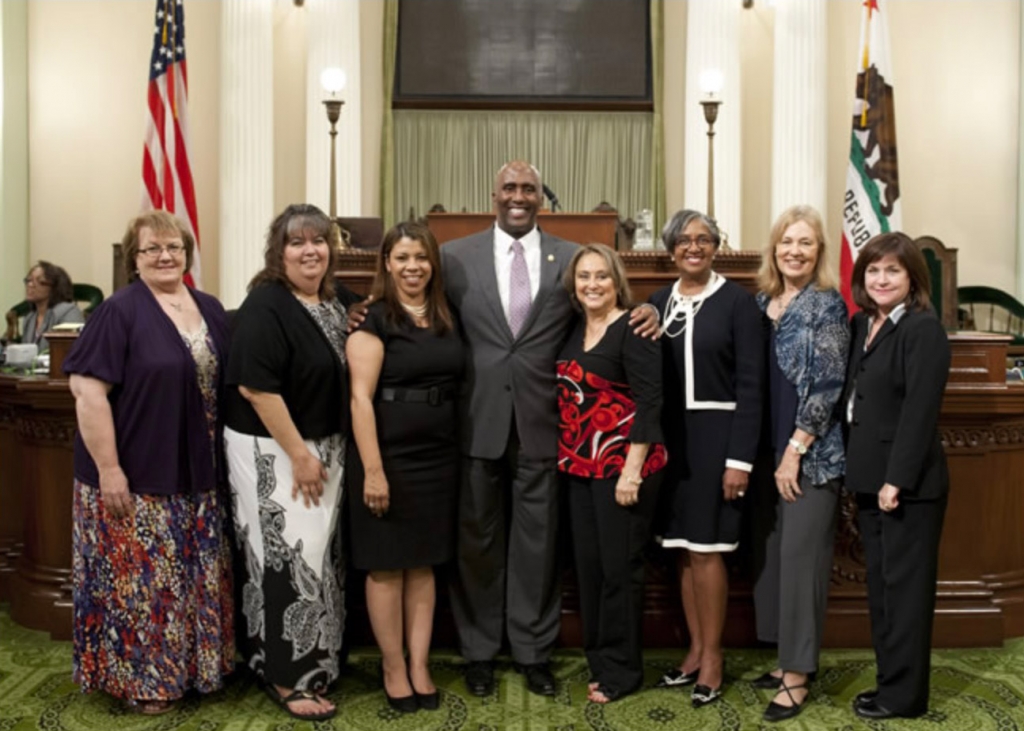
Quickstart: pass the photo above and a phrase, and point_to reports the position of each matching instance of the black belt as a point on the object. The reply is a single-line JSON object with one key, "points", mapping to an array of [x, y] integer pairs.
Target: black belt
{"points": [[434, 395]]}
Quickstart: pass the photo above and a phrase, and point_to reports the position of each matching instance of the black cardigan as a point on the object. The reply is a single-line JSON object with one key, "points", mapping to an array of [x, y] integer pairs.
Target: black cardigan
{"points": [[277, 347]]}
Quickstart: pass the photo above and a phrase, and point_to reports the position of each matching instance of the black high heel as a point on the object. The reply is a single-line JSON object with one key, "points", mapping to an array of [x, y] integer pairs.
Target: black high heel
{"points": [[405, 704], [426, 701]]}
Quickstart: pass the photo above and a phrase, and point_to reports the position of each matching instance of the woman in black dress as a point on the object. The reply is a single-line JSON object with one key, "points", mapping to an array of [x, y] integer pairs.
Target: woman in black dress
{"points": [[713, 350], [405, 361], [895, 465], [610, 456]]}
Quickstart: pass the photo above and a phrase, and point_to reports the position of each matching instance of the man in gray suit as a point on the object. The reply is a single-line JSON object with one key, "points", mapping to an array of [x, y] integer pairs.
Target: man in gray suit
{"points": [[506, 284]]}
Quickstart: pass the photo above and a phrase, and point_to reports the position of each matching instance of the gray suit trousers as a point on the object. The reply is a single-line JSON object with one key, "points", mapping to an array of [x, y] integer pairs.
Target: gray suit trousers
{"points": [[794, 543], [507, 576]]}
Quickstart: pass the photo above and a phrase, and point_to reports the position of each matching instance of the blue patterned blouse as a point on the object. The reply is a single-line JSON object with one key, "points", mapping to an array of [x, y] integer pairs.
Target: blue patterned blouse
{"points": [[812, 345]]}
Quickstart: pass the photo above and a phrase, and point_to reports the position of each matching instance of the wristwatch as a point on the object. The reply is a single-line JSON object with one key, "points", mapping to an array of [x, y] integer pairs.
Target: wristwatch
{"points": [[800, 447]]}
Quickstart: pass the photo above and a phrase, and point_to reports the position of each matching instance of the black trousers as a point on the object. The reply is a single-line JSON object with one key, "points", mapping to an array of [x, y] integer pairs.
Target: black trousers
{"points": [[901, 550], [608, 541]]}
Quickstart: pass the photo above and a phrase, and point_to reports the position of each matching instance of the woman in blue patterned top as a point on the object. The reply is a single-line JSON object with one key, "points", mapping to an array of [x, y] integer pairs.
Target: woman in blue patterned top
{"points": [[807, 352]]}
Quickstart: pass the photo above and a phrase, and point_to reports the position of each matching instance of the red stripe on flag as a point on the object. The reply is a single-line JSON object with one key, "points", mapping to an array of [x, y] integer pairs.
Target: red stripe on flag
{"points": [[846, 275], [149, 179]]}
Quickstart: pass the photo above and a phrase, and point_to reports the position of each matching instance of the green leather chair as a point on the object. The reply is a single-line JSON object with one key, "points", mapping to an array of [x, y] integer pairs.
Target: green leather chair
{"points": [[87, 296]]}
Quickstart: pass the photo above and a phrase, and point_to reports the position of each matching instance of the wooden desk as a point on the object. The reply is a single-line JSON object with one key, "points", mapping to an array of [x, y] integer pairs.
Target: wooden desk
{"points": [[39, 414], [583, 228]]}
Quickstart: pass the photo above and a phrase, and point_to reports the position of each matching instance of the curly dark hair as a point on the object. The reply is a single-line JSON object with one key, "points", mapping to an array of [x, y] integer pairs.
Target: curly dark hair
{"points": [[60, 283], [297, 218]]}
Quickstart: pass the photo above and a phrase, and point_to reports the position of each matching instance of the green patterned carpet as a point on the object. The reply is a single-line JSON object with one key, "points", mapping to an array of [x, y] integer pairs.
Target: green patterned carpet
{"points": [[972, 690]]}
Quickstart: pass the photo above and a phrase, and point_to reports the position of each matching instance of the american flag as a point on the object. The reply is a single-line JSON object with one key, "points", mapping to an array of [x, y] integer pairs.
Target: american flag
{"points": [[166, 173]]}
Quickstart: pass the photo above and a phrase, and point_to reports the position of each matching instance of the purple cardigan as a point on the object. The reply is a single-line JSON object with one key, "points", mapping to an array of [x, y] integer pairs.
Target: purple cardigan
{"points": [[163, 443]]}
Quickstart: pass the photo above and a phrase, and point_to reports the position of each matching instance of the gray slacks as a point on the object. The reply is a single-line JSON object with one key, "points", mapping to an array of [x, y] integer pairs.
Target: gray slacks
{"points": [[507, 575], [793, 564]]}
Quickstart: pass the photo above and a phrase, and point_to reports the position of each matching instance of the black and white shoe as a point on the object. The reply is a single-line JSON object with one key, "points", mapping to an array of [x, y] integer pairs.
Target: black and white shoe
{"points": [[676, 678], [702, 695]]}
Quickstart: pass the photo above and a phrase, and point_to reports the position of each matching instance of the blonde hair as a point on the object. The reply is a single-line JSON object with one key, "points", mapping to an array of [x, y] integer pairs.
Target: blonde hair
{"points": [[769, 278]]}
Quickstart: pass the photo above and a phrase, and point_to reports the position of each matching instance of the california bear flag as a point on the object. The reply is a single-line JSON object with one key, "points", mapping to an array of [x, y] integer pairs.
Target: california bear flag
{"points": [[872, 202]]}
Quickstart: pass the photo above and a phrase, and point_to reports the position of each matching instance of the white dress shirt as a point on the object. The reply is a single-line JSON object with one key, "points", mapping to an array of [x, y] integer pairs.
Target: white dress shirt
{"points": [[503, 262]]}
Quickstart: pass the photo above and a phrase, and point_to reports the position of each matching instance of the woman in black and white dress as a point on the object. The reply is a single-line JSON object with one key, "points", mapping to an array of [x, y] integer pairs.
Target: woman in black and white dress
{"points": [[714, 377], [286, 417]]}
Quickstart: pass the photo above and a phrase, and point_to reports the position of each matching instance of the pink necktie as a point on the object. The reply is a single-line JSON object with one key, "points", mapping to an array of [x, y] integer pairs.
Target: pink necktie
{"points": [[518, 289]]}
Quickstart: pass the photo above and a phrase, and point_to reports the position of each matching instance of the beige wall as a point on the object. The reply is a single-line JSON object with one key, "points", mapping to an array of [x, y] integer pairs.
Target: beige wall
{"points": [[957, 95]]}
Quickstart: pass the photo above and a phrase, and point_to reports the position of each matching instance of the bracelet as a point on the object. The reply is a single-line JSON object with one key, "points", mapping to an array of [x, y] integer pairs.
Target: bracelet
{"points": [[634, 480]]}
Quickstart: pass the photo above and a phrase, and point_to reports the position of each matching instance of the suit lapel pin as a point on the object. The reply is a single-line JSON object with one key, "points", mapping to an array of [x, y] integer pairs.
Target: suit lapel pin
{"points": [[551, 257]]}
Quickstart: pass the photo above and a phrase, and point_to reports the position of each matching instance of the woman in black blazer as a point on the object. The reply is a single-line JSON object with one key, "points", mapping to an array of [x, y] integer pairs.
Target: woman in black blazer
{"points": [[899, 361]]}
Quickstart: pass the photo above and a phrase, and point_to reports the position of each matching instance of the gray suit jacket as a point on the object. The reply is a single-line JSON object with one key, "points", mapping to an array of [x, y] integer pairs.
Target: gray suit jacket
{"points": [[505, 375]]}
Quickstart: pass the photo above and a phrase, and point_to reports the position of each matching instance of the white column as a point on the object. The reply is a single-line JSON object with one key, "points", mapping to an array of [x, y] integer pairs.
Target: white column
{"points": [[712, 42], [332, 33], [799, 119], [1020, 173], [246, 142]]}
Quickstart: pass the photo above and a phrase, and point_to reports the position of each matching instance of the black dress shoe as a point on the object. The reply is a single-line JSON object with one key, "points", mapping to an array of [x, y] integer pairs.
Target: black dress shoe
{"points": [[874, 711], [767, 681], [480, 677], [777, 712], [867, 695], [539, 679], [676, 678], [703, 694]]}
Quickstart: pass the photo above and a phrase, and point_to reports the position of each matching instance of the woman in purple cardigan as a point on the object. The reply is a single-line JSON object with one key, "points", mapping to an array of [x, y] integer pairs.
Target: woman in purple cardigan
{"points": [[153, 609]]}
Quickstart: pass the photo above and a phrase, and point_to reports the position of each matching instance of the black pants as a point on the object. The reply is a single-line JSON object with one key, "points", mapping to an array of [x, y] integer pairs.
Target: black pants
{"points": [[608, 540], [901, 550]]}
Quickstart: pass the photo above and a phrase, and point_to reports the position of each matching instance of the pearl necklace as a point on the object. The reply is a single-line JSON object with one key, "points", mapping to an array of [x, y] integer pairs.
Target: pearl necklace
{"points": [[417, 311], [678, 304]]}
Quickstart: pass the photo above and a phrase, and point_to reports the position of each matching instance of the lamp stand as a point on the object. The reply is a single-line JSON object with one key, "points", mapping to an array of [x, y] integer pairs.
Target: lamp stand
{"points": [[333, 115]]}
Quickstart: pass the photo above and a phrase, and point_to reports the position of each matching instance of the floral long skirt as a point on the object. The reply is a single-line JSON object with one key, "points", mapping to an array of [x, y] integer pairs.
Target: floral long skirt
{"points": [[153, 606], [293, 591]]}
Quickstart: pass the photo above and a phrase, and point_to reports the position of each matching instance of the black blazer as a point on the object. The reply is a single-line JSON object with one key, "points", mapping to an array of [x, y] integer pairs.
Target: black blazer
{"points": [[899, 381]]}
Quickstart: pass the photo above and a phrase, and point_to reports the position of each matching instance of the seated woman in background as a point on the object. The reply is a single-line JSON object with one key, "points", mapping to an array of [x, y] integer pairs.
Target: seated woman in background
{"points": [[795, 523], [405, 360], [51, 302], [895, 464], [611, 456], [153, 607], [285, 426], [714, 380]]}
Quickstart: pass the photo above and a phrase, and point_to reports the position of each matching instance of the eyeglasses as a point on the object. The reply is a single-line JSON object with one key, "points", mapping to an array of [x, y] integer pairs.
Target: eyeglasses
{"points": [[705, 242], [37, 282], [154, 252]]}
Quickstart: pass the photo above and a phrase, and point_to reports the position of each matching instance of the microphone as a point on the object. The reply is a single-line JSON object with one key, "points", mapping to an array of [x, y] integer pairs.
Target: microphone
{"points": [[550, 194]]}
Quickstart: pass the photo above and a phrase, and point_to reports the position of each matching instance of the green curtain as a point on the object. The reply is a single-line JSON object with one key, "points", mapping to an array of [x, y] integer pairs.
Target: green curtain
{"points": [[451, 157], [657, 124], [387, 136]]}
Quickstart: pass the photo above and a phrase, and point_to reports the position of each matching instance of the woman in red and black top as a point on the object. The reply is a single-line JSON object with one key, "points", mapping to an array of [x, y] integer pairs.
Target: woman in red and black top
{"points": [[610, 455]]}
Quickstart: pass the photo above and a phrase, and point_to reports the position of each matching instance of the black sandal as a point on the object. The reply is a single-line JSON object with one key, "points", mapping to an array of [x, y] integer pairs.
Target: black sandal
{"points": [[776, 712], [298, 695]]}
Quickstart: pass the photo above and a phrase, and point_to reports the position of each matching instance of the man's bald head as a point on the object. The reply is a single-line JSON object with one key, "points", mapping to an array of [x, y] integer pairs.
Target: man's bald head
{"points": [[517, 196]]}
